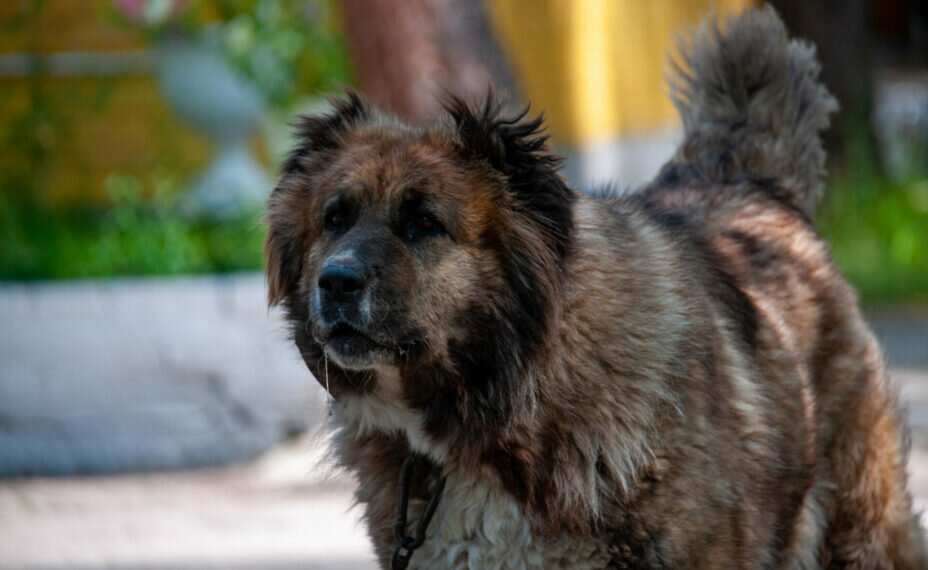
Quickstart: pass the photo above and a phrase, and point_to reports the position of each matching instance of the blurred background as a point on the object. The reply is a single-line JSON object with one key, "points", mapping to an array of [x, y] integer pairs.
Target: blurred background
{"points": [[152, 411]]}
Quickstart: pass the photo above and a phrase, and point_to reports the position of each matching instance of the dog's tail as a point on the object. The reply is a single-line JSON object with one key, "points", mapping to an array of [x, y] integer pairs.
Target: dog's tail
{"points": [[751, 103]]}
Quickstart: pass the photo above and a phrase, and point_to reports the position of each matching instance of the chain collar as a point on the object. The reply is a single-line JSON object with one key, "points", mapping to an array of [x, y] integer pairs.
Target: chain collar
{"points": [[406, 544]]}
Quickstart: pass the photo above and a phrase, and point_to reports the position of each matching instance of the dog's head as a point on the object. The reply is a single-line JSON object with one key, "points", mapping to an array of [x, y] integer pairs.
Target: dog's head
{"points": [[425, 248]]}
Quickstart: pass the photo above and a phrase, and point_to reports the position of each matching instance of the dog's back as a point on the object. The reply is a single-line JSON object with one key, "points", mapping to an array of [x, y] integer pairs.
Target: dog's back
{"points": [[740, 194]]}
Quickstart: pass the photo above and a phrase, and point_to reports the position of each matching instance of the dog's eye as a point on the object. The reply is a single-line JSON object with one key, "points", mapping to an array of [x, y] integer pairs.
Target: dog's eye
{"points": [[423, 225], [334, 221], [426, 223]]}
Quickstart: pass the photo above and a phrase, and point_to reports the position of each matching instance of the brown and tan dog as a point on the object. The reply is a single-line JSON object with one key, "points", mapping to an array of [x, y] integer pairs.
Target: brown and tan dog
{"points": [[679, 378]]}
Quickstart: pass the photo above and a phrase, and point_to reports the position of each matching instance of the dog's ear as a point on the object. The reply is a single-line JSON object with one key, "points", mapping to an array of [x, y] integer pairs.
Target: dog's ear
{"points": [[515, 146], [316, 133], [284, 259]]}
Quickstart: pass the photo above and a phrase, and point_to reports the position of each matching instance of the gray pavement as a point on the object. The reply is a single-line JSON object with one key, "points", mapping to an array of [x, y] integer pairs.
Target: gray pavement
{"points": [[279, 511]]}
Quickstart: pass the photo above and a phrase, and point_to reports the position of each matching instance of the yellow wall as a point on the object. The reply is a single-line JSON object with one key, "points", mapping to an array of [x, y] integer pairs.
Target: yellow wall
{"points": [[596, 66], [62, 25]]}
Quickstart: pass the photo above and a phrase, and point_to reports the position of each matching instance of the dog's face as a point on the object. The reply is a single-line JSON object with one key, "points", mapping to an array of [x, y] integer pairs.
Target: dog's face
{"points": [[397, 229], [399, 246]]}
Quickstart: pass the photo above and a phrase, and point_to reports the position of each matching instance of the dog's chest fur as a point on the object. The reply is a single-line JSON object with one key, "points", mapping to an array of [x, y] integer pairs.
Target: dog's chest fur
{"points": [[478, 524]]}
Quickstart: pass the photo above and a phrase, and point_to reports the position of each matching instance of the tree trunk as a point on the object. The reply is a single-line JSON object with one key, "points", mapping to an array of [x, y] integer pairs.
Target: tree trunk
{"points": [[408, 53]]}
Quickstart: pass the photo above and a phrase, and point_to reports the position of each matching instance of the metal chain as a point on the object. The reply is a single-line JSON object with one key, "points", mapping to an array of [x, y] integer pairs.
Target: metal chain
{"points": [[406, 544]]}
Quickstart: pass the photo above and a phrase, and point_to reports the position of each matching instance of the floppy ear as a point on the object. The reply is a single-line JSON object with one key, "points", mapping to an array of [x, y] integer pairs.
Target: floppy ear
{"points": [[285, 245], [283, 256], [516, 147]]}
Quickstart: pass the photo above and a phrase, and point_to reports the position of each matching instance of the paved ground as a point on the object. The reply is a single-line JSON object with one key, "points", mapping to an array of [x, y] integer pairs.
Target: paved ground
{"points": [[281, 510], [277, 512]]}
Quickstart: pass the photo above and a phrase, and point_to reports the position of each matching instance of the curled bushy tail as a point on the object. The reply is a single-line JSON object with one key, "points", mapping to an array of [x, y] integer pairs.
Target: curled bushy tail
{"points": [[751, 102]]}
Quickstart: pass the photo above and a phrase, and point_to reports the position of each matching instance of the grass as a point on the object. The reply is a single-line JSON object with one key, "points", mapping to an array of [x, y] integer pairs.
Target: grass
{"points": [[878, 231]]}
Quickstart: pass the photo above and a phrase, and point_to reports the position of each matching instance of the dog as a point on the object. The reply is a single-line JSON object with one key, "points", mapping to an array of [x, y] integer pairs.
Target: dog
{"points": [[525, 376]]}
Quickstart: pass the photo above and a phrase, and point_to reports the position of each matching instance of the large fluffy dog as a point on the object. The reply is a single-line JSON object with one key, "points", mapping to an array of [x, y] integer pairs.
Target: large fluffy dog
{"points": [[675, 379]]}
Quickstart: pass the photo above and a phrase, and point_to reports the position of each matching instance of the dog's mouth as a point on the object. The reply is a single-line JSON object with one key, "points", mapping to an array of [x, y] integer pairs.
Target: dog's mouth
{"points": [[353, 348], [348, 337], [357, 349]]}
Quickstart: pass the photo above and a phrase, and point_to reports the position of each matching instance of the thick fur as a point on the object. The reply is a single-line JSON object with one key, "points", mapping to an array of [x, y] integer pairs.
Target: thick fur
{"points": [[676, 379]]}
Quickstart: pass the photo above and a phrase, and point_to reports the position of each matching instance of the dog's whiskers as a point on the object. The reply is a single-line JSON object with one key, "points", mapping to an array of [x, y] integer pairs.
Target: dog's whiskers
{"points": [[328, 394]]}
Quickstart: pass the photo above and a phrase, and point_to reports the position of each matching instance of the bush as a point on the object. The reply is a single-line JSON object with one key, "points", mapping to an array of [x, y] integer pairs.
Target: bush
{"points": [[878, 228], [131, 237]]}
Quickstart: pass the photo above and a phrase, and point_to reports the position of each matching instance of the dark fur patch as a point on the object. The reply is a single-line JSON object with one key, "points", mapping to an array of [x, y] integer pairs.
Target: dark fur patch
{"points": [[480, 391], [677, 174], [283, 251], [634, 549]]}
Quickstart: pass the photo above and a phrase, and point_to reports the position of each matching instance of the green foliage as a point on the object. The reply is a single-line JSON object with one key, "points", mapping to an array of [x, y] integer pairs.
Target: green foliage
{"points": [[286, 48], [878, 228], [132, 237]]}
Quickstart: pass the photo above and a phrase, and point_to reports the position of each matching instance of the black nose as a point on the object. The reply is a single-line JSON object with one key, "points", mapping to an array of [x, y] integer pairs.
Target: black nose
{"points": [[341, 282]]}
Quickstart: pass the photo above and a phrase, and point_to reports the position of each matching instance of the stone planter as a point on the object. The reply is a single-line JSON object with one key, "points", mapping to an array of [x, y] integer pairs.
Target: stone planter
{"points": [[223, 106]]}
